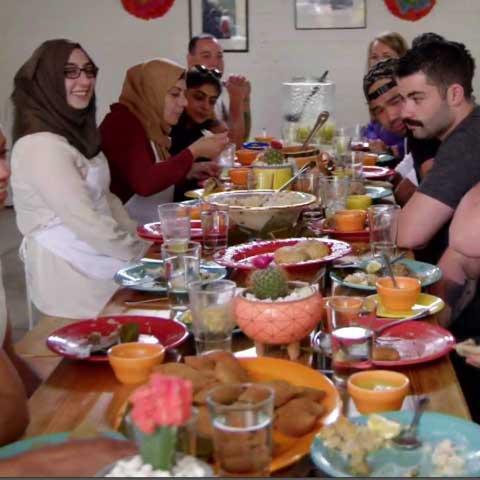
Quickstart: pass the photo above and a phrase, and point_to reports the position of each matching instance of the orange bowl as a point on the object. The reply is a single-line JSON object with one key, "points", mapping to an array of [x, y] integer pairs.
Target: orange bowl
{"points": [[378, 390], [246, 156], [133, 362], [350, 220], [398, 299], [370, 159], [265, 139], [239, 176]]}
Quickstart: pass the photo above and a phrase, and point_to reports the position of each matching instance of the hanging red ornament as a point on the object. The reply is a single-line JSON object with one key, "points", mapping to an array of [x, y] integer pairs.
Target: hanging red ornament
{"points": [[147, 9], [412, 10]]}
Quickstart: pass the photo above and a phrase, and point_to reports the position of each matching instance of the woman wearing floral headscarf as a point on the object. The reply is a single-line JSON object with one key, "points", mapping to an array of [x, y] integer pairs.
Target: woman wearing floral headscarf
{"points": [[136, 139], [76, 233]]}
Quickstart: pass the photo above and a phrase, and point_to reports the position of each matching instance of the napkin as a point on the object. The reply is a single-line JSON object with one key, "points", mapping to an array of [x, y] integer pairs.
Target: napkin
{"points": [[470, 350]]}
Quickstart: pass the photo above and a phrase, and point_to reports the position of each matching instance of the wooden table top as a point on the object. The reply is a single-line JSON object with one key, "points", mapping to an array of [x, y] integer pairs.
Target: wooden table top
{"points": [[78, 394]]}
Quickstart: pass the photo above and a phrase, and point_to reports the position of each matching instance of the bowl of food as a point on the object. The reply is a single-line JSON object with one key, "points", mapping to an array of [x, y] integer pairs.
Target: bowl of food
{"points": [[133, 362], [398, 299], [262, 212], [375, 391]]}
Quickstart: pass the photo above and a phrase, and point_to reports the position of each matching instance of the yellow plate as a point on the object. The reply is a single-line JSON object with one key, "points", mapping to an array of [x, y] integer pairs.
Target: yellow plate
{"points": [[262, 369], [194, 193], [435, 304]]}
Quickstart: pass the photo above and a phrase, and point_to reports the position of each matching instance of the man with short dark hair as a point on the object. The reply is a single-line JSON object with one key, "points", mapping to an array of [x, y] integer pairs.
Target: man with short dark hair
{"points": [[435, 81], [233, 106]]}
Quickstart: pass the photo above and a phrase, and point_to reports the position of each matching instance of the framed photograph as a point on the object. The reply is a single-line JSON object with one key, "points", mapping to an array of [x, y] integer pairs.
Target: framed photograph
{"points": [[320, 14], [226, 20]]}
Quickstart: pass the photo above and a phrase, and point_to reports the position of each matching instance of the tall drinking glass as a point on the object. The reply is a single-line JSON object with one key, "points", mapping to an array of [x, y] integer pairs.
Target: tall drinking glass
{"points": [[175, 222], [333, 192], [242, 429], [182, 266], [215, 224], [212, 316], [383, 224]]}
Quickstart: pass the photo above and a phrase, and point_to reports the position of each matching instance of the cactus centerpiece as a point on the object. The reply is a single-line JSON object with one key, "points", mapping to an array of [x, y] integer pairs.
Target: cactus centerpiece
{"points": [[270, 282], [272, 156]]}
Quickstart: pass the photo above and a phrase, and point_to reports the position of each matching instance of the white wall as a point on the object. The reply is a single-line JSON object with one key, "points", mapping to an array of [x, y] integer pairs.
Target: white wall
{"points": [[117, 40]]}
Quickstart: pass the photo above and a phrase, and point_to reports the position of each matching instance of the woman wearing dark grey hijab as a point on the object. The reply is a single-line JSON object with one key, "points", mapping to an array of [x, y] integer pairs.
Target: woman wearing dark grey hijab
{"points": [[76, 234]]}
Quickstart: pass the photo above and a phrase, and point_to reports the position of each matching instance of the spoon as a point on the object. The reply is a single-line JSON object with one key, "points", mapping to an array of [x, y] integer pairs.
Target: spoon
{"points": [[321, 119], [407, 438], [389, 270]]}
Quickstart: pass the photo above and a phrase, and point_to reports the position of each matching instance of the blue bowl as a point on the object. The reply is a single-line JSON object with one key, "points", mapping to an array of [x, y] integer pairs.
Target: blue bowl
{"points": [[256, 145]]}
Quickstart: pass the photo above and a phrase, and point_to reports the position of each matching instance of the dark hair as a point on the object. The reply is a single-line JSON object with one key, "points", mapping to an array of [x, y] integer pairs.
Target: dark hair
{"points": [[192, 44], [196, 78], [443, 63], [427, 37], [384, 69]]}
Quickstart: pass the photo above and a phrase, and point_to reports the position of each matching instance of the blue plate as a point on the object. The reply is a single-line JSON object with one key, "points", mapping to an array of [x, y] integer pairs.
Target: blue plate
{"points": [[377, 192], [28, 444], [144, 276], [393, 462], [385, 159], [426, 272]]}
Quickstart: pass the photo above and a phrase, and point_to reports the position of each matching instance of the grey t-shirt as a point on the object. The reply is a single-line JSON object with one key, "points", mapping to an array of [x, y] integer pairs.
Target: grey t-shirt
{"points": [[457, 163]]}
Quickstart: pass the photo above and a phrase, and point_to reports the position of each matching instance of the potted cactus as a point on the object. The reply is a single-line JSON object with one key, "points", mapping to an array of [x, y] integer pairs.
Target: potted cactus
{"points": [[271, 169], [274, 311]]}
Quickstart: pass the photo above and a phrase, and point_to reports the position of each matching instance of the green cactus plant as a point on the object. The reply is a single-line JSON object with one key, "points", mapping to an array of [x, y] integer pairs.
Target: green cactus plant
{"points": [[269, 283], [271, 156]]}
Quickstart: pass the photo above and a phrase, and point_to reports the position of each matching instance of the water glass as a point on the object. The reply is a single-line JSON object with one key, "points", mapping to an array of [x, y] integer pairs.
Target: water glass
{"points": [[306, 182], [383, 224], [214, 230], [350, 320], [242, 430], [212, 315], [175, 222], [226, 158], [333, 192], [182, 266]]}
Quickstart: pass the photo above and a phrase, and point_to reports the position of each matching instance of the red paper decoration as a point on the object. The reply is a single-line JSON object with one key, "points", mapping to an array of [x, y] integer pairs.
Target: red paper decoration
{"points": [[412, 10], [147, 9]]}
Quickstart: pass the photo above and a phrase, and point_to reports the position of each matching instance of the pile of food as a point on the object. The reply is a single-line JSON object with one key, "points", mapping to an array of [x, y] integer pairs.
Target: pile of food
{"points": [[302, 251], [271, 157], [255, 200], [297, 409]]}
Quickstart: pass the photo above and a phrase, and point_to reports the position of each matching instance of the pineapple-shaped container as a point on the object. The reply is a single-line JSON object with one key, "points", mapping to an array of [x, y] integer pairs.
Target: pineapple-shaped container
{"points": [[274, 311]]}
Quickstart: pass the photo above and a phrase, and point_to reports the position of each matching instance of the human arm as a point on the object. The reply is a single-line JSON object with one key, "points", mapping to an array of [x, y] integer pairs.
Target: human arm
{"points": [[237, 87], [76, 458], [51, 169], [120, 214], [14, 416], [420, 219]]}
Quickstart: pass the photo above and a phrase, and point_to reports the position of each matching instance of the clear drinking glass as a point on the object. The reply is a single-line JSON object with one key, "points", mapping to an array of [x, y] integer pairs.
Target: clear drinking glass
{"points": [[350, 320], [175, 222], [333, 192], [242, 431], [182, 266], [383, 225], [212, 316], [306, 182], [214, 230]]}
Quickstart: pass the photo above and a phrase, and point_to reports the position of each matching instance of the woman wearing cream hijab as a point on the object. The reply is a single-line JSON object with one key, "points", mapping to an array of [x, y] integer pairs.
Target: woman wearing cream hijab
{"points": [[136, 142]]}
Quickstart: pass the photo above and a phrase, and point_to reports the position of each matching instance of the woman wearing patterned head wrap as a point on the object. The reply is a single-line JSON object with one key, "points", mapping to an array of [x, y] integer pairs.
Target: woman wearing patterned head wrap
{"points": [[76, 233], [136, 139]]}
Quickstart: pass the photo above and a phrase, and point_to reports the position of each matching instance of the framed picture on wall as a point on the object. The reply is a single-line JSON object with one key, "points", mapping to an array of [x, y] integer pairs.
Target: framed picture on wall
{"points": [[226, 20], [320, 14]]}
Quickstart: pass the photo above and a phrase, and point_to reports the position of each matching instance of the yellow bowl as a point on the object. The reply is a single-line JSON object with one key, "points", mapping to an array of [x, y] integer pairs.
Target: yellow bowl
{"points": [[378, 390], [358, 202], [398, 299], [350, 220], [133, 362]]}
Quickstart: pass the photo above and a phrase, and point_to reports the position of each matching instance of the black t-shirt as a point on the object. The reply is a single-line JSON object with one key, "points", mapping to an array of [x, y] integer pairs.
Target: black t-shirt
{"points": [[421, 150]]}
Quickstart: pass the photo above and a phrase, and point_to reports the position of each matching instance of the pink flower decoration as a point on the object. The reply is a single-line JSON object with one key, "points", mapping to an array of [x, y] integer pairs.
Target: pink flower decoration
{"points": [[164, 401], [262, 261]]}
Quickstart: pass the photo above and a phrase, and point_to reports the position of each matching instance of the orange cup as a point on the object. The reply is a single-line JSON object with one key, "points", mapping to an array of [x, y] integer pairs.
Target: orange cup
{"points": [[246, 156], [370, 159], [398, 299], [239, 176], [350, 220], [133, 362], [375, 391]]}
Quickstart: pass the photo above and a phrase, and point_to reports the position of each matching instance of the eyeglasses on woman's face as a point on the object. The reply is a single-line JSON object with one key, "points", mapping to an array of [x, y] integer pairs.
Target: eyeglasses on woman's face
{"points": [[73, 71], [212, 71]]}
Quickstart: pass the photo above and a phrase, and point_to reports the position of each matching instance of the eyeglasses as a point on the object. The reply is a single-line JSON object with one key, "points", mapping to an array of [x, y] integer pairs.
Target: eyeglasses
{"points": [[74, 71], [212, 71]]}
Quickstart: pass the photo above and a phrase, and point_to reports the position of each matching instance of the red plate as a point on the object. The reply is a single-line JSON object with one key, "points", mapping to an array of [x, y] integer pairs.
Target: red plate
{"points": [[372, 172], [153, 231], [318, 228], [241, 256], [168, 332], [416, 341]]}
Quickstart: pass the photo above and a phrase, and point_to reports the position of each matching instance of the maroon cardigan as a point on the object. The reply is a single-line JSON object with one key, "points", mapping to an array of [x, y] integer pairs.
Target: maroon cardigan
{"points": [[131, 158]]}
